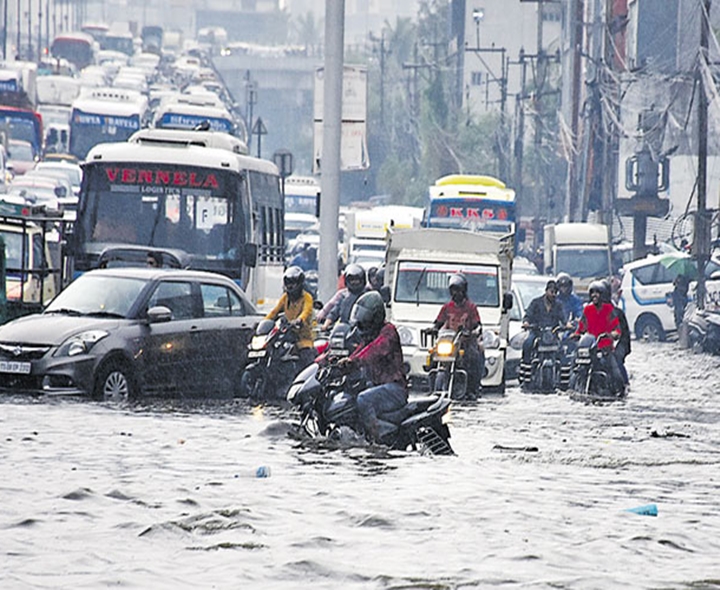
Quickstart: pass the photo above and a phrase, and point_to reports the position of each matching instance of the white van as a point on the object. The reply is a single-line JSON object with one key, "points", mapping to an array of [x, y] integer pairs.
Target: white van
{"points": [[646, 286]]}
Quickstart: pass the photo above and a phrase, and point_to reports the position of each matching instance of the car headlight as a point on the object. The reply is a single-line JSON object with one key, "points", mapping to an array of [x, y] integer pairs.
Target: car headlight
{"points": [[81, 343], [407, 336], [490, 339]]}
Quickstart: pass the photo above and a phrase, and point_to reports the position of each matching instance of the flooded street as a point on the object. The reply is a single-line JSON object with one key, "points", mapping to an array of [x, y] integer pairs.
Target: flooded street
{"points": [[166, 495]]}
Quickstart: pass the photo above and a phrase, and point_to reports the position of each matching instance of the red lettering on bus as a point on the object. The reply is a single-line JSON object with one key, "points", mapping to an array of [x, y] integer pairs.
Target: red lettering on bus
{"points": [[211, 181], [456, 212], [488, 214], [129, 175], [193, 181], [112, 174], [145, 177], [162, 177], [473, 213], [180, 178]]}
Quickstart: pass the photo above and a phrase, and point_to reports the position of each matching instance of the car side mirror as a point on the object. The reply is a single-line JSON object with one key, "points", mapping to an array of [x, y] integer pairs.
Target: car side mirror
{"points": [[159, 314], [508, 301]]}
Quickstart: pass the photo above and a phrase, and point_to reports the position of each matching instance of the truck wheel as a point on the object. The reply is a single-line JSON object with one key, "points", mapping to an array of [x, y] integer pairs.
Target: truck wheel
{"points": [[648, 328]]}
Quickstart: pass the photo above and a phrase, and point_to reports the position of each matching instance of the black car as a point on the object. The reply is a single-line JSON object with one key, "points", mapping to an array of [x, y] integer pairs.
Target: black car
{"points": [[126, 332]]}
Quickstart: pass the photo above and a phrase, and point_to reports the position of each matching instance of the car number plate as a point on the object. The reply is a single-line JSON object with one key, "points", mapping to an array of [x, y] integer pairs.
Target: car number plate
{"points": [[14, 367], [254, 354]]}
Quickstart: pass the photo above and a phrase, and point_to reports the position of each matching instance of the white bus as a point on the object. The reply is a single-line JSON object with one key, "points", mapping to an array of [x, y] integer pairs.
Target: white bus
{"points": [[105, 115], [209, 208], [185, 115]]}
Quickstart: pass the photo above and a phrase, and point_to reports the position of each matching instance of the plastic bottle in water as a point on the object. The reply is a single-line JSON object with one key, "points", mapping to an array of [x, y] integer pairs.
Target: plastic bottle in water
{"points": [[262, 471]]}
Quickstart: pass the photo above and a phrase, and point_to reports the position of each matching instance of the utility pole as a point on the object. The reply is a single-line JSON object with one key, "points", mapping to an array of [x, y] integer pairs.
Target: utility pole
{"points": [[701, 245], [331, 146], [571, 100]]}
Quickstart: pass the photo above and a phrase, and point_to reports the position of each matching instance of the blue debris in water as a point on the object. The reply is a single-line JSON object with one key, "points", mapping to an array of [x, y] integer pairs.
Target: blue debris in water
{"points": [[645, 510], [262, 471]]}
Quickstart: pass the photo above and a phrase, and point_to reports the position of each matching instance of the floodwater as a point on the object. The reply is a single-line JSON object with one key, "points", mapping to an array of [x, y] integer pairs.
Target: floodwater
{"points": [[166, 495]]}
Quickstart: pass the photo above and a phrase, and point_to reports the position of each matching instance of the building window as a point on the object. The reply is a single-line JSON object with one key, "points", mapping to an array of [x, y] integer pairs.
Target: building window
{"points": [[476, 78]]}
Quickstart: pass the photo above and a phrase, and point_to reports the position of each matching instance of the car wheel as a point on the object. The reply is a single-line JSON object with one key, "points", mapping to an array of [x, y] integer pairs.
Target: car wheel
{"points": [[114, 382], [649, 329]]}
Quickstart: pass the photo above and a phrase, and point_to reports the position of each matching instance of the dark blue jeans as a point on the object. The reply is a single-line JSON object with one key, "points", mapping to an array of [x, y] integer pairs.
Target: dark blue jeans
{"points": [[379, 400]]}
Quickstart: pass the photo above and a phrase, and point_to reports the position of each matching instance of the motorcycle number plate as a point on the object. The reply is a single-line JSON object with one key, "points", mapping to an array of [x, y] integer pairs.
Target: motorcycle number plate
{"points": [[547, 349], [255, 354]]}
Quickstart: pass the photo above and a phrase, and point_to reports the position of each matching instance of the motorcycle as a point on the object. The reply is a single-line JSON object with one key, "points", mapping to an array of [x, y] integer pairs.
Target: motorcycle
{"points": [[545, 362], [272, 359], [445, 359], [591, 378], [703, 329], [327, 400]]}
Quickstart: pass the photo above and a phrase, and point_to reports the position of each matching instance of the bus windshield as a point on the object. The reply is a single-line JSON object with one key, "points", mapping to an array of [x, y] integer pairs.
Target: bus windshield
{"points": [[187, 208], [187, 121], [89, 129], [426, 282], [23, 125], [77, 50]]}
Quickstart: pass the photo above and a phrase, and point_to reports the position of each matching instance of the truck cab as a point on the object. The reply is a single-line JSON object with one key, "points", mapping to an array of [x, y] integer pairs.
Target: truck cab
{"points": [[32, 258], [582, 250], [418, 265]]}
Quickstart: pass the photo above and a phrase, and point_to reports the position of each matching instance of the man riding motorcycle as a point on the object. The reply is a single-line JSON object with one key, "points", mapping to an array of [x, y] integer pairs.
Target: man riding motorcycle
{"points": [[297, 305], [599, 319], [460, 313], [543, 312], [380, 355], [341, 304]]}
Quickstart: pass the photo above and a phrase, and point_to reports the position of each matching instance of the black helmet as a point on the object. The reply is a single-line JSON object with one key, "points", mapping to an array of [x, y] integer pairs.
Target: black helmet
{"points": [[294, 281], [458, 287], [368, 314], [597, 287], [564, 280], [354, 278]]}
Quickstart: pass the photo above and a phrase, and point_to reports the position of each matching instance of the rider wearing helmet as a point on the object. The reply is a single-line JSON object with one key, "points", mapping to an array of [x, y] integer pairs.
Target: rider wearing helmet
{"points": [[460, 313], [543, 312], [380, 355], [571, 303], [599, 318], [341, 304], [297, 305]]}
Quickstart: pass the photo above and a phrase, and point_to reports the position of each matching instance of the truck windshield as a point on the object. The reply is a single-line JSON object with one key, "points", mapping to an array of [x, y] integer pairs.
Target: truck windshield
{"points": [[583, 263], [426, 282]]}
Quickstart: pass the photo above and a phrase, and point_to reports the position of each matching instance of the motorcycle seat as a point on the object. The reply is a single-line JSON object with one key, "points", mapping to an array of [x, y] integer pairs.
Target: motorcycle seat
{"points": [[412, 407]]}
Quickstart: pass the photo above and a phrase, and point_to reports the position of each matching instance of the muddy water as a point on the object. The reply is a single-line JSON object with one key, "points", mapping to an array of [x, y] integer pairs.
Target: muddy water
{"points": [[165, 495]]}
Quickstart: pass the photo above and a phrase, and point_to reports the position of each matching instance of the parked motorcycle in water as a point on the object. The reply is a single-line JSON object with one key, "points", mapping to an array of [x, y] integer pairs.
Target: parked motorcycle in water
{"points": [[272, 359], [327, 400], [591, 378], [703, 329]]}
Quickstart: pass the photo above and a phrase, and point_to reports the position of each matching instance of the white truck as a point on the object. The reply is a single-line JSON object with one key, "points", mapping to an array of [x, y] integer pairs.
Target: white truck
{"points": [[418, 265], [582, 250]]}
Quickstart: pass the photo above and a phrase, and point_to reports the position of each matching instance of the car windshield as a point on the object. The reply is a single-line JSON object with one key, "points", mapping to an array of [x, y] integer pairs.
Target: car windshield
{"points": [[74, 175], [93, 294], [427, 282]]}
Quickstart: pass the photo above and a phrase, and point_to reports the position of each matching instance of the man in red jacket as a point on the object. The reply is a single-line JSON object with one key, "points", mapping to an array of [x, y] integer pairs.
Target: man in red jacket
{"points": [[600, 320]]}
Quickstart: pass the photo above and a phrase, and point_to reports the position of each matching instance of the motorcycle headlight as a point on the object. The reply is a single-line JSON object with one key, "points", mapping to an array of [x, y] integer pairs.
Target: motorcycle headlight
{"points": [[81, 343], [407, 336], [258, 342], [445, 348], [490, 339]]}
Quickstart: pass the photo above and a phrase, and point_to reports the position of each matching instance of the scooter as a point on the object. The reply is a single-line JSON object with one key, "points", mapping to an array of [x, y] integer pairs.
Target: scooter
{"points": [[327, 401]]}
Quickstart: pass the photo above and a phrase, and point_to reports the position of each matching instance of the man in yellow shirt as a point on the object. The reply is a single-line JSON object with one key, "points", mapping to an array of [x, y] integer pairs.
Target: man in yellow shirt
{"points": [[297, 305]]}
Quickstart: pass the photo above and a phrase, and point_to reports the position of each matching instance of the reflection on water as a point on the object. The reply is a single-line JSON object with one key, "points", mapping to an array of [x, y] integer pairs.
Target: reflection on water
{"points": [[164, 494]]}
